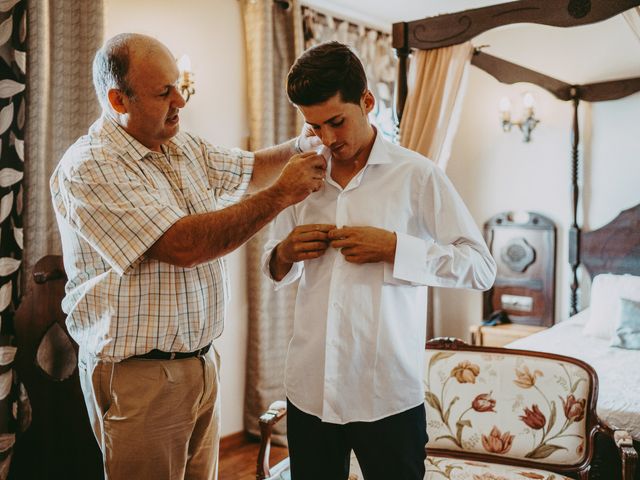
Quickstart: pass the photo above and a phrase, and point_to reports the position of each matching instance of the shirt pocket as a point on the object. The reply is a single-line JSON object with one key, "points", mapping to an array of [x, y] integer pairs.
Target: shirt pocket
{"points": [[202, 201]]}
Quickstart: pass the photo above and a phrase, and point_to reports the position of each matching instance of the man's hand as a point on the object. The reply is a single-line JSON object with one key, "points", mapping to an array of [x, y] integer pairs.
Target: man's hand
{"points": [[302, 175], [364, 244], [305, 242]]}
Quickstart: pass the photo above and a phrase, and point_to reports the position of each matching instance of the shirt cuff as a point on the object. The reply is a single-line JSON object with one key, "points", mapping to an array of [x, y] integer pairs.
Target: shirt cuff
{"points": [[410, 266]]}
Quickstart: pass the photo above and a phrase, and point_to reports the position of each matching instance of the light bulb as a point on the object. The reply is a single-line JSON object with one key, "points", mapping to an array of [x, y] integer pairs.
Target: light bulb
{"points": [[505, 104], [184, 64]]}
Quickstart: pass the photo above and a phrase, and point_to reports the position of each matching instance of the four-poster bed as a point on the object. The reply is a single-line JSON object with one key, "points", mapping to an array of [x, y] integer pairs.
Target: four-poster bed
{"points": [[451, 29], [614, 248]]}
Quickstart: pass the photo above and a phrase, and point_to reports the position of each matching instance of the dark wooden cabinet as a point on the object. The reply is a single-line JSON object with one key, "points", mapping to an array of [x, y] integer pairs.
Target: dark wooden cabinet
{"points": [[524, 247]]}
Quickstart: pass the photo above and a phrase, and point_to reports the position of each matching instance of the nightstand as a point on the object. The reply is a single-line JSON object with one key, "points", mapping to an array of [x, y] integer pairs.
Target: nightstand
{"points": [[500, 335]]}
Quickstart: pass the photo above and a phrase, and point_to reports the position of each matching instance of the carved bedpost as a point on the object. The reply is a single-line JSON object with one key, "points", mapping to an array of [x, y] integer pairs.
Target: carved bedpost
{"points": [[574, 231], [400, 45]]}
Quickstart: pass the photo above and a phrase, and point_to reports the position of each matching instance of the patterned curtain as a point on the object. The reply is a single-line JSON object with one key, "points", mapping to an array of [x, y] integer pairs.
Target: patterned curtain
{"points": [[375, 51], [13, 35], [63, 38]]}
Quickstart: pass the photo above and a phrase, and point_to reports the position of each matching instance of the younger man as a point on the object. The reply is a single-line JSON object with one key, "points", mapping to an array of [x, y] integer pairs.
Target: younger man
{"points": [[386, 223]]}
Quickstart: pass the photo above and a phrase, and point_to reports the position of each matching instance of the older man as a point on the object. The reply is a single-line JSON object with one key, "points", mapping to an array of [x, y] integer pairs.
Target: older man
{"points": [[145, 214]]}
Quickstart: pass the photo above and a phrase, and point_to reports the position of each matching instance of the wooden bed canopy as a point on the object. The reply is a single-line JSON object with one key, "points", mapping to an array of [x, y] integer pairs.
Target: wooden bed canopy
{"points": [[451, 29]]}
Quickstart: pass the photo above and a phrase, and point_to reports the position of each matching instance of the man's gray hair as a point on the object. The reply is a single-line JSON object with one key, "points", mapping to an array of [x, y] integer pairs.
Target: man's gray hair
{"points": [[110, 68]]}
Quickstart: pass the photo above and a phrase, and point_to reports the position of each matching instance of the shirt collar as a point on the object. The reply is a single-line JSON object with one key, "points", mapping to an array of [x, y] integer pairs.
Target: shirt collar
{"points": [[123, 142], [379, 153]]}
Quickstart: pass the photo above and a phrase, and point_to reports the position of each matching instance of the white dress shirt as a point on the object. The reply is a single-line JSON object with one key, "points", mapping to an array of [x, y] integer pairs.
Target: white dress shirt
{"points": [[358, 338]]}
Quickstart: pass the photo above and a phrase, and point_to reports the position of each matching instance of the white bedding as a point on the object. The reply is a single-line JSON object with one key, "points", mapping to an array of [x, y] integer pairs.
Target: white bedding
{"points": [[618, 369]]}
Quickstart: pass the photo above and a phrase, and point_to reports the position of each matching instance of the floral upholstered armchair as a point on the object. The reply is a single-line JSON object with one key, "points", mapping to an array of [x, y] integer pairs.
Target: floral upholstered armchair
{"points": [[496, 414]]}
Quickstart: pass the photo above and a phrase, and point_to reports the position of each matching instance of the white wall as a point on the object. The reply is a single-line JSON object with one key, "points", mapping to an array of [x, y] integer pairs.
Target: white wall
{"points": [[496, 171], [211, 33]]}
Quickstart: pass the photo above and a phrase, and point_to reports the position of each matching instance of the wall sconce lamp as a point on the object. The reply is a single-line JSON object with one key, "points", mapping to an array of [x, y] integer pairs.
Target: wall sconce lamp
{"points": [[185, 82], [525, 124]]}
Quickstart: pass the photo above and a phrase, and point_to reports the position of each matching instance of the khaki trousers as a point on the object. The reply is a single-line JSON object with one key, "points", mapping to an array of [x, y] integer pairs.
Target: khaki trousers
{"points": [[155, 419]]}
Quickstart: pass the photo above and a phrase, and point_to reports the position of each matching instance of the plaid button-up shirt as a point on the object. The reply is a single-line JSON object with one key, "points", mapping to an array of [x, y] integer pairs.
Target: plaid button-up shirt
{"points": [[114, 198]]}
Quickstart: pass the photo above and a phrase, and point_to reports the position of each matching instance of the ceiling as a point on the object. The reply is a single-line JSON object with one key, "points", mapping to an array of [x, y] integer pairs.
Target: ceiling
{"points": [[382, 13], [591, 53]]}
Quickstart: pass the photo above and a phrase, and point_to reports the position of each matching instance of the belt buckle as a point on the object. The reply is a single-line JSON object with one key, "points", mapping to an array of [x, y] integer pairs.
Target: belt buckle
{"points": [[172, 355]]}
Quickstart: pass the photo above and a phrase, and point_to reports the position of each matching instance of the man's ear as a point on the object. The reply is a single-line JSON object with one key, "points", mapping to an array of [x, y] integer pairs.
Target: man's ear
{"points": [[116, 99], [369, 101]]}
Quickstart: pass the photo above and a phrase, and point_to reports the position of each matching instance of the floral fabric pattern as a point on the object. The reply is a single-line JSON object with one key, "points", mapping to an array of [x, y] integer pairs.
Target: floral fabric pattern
{"points": [[506, 405], [456, 469]]}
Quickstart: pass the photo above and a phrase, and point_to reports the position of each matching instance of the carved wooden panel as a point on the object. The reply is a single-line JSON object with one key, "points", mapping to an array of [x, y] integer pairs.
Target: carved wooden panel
{"points": [[523, 246], [454, 28], [59, 444], [615, 247]]}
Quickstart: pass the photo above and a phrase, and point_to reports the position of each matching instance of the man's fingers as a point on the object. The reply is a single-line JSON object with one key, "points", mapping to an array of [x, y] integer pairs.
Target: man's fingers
{"points": [[342, 243], [312, 237], [310, 246], [315, 227], [338, 233]]}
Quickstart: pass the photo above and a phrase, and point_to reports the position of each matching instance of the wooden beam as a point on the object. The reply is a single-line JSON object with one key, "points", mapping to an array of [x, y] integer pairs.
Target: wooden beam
{"points": [[611, 90], [454, 28], [507, 72]]}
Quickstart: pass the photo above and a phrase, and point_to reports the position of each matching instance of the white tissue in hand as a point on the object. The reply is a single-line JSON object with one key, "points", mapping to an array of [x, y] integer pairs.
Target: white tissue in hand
{"points": [[308, 144], [324, 151]]}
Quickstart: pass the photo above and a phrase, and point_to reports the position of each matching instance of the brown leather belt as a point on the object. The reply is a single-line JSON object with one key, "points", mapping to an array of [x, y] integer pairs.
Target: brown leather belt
{"points": [[156, 354]]}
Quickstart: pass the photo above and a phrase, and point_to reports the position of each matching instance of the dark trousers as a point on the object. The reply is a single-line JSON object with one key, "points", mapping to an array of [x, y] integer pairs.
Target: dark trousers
{"points": [[390, 448]]}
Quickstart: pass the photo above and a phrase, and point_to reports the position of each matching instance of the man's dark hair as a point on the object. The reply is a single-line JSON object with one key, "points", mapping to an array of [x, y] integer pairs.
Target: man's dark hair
{"points": [[324, 70]]}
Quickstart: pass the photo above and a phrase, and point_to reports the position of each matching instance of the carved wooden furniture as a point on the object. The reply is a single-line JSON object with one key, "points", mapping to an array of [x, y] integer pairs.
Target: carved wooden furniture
{"points": [[501, 335], [510, 413], [501, 412], [59, 443], [612, 248], [524, 247]]}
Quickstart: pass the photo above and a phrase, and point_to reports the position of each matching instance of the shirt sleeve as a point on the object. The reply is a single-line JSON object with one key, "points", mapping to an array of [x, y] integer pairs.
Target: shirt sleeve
{"points": [[229, 171], [453, 254], [280, 228], [115, 211]]}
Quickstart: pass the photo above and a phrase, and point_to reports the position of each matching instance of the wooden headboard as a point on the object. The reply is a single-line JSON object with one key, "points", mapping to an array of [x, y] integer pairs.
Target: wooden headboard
{"points": [[615, 247]]}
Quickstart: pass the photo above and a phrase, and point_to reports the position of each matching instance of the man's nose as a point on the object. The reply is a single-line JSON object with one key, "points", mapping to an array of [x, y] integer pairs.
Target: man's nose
{"points": [[328, 137], [178, 100]]}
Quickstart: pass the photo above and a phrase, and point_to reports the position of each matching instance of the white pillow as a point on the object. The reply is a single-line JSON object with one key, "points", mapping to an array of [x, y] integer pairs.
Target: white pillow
{"points": [[606, 291]]}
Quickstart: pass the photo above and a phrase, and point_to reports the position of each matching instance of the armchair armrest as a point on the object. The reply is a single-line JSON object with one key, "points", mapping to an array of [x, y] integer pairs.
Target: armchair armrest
{"points": [[276, 412], [628, 454]]}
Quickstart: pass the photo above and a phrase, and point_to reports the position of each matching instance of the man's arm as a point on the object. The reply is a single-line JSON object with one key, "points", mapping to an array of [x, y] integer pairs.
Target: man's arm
{"points": [[268, 163], [200, 238]]}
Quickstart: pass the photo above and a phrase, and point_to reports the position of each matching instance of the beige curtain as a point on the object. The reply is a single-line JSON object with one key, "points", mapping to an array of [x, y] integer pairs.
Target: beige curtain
{"points": [[63, 36], [632, 17], [273, 38], [437, 82]]}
